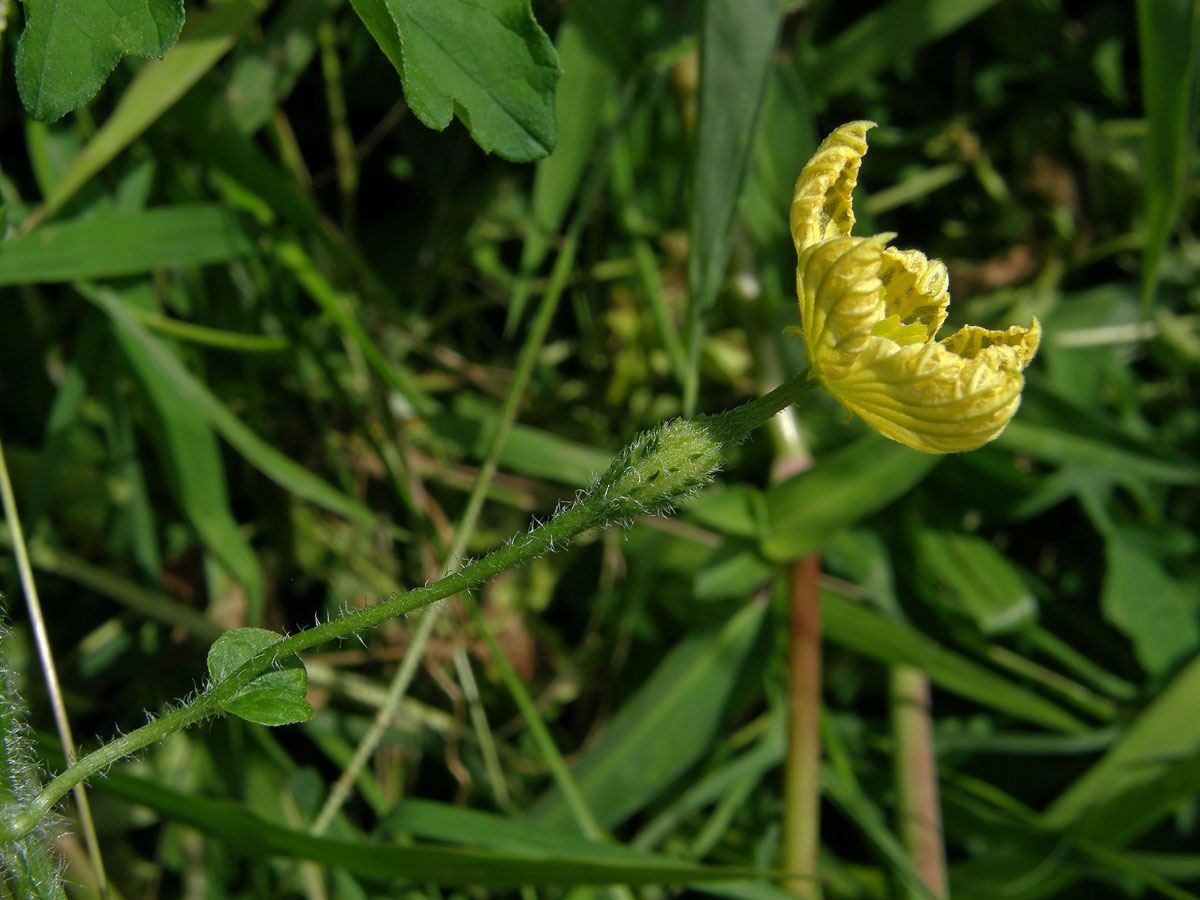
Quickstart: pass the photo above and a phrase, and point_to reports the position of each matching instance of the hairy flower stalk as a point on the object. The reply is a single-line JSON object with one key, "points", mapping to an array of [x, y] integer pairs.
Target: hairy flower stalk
{"points": [[659, 468]]}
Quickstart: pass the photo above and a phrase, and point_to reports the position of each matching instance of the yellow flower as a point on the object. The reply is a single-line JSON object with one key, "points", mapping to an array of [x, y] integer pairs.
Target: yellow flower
{"points": [[870, 315]]}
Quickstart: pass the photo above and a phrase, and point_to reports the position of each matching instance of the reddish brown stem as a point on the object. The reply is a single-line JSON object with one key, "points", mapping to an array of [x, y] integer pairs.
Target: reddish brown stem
{"points": [[802, 770], [920, 819]]}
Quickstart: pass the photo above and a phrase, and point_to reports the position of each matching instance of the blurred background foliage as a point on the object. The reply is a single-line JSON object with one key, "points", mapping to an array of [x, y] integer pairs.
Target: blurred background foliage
{"points": [[262, 329]]}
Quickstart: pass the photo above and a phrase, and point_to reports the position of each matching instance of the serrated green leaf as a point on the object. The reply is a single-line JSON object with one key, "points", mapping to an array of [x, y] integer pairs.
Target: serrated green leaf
{"points": [[486, 61], [275, 697], [69, 47]]}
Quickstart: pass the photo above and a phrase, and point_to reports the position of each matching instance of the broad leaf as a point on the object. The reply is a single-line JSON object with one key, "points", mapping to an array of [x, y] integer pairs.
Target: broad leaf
{"points": [[486, 61], [1162, 742], [275, 697], [69, 47], [1149, 606], [843, 488]]}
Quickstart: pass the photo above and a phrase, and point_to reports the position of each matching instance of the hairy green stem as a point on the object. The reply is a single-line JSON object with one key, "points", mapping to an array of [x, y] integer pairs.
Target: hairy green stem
{"points": [[660, 467]]}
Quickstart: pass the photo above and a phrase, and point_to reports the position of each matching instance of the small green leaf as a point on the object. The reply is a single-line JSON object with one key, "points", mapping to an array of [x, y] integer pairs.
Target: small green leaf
{"points": [[273, 698], [270, 706], [69, 47], [486, 61]]}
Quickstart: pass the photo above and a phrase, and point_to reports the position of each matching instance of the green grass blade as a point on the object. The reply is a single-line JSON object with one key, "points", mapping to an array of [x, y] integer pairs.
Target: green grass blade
{"points": [[1055, 428], [340, 309], [863, 630], [283, 471], [975, 579], [203, 336], [736, 48], [191, 460], [766, 755], [663, 729], [882, 36], [28, 868], [105, 246], [588, 83], [262, 75], [204, 119], [442, 822], [1155, 759], [129, 594], [1169, 39], [527, 450], [870, 821], [247, 834]]}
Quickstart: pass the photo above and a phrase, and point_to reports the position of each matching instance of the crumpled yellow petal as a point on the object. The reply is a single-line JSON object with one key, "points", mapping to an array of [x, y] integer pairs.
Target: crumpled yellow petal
{"points": [[934, 399], [821, 203], [870, 315]]}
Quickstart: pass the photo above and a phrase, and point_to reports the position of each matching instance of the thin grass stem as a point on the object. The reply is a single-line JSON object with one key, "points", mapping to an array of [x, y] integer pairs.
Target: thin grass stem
{"points": [[41, 639]]}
